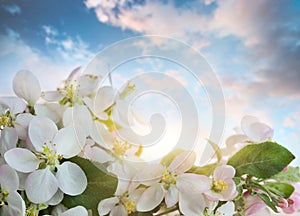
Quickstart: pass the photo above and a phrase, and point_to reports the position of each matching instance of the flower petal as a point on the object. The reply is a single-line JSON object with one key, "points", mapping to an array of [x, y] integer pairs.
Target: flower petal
{"points": [[78, 211], [78, 117], [52, 96], [259, 132], [104, 99], [69, 143], [193, 183], [151, 198], [118, 211], [21, 160], [183, 162], [15, 203], [101, 135], [57, 198], [87, 84], [106, 205], [247, 121], [227, 209], [40, 186], [52, 111], [71, 178], [191, 204], [22, 123], [100, 155], [27, 86], [172, 196], [41, 132], [9, 179], [8, 139], [224, 172], [14, 104]]}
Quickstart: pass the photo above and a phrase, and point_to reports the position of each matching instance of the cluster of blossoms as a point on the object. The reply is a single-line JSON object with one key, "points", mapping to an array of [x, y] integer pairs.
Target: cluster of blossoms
{"points": [[48, 140]]}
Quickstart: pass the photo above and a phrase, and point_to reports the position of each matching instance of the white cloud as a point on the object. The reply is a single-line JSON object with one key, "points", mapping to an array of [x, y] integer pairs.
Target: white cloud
{"points": [[69, 48], [49, 30], [12, 9], [16, 55]]}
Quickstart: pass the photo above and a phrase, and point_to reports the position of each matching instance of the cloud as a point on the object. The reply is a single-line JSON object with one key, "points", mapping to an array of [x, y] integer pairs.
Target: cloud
{"points": [[13, 9], [269, 32], [49, 30], [16, 55], [151, 17], [69, 48]]}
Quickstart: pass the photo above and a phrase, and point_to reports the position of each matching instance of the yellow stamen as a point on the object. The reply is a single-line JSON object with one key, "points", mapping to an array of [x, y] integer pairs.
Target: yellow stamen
{"points": [[139, 151], [168, 179], [219, 186], [5, 121], [120, 147], [129, 205]]}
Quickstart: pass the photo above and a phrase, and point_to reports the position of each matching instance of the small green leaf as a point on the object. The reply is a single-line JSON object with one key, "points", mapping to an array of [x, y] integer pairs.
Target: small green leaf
{"points": [[101, 185], [261, 160], [290, 175], [281, 189], [268, 202], [206, 170], [167, 160]]}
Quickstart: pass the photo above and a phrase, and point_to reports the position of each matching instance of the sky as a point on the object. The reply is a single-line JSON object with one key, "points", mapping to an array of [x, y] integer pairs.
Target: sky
{"points": [[253, 47]]}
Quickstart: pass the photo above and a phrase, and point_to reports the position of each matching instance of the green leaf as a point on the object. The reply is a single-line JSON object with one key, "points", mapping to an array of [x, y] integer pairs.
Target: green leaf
{"points": [[281, 189], [206, 170], [167, 160], [268, 202], [261, 160], [290, 175], [101, 185]]}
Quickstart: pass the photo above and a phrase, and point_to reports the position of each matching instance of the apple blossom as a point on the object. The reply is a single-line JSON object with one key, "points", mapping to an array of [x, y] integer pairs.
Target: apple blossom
{"points": [[174, 185], [47, 174], [223, 187]]}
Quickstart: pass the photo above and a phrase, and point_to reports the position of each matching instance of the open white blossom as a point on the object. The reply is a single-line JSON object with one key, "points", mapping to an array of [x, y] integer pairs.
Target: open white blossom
{"points": [[174, 185], [47, 173]]}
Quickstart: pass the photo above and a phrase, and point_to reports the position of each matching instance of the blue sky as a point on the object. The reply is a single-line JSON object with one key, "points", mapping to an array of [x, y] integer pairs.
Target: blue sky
{"points": [[253, 46]]}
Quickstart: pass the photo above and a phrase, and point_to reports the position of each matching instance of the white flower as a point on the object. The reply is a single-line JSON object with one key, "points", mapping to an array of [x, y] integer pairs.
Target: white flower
{"points": [[47, 174], [27, 86], [223, 187], [73, 89], [173, 185], [123, 203], [11, 203], [252, 131]]}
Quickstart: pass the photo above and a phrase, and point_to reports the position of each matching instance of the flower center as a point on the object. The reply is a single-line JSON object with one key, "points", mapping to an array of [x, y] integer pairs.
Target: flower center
{"points": [[71, 96], [5, 120], [129, 205], [128, 90], [49, 158], [219, 186], [120, 147], [3, 197], [168, 179]]}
